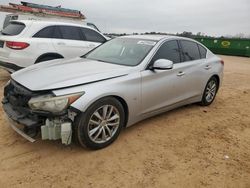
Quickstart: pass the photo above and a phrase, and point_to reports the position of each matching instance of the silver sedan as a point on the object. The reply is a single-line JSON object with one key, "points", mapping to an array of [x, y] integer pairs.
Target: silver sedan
{"points": [[91, 98]]}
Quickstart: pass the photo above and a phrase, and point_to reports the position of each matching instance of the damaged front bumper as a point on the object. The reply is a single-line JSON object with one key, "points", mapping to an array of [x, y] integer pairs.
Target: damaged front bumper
{"points": [[22, 122], [55, 130], [20, 130], [28, 124]]}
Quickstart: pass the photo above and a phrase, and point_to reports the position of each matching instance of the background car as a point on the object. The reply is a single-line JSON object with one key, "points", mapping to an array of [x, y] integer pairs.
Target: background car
{"points": [[24, 43], [116, 85], [25, 16]]}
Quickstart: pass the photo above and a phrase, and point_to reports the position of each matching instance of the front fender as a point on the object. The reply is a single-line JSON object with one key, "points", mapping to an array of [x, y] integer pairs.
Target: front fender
{"points": [[83, 103], [127, 87]]}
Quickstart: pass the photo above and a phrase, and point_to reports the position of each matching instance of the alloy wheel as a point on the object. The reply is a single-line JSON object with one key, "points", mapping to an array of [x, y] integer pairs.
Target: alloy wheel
{"points": [[211, 91], [103, 124]]}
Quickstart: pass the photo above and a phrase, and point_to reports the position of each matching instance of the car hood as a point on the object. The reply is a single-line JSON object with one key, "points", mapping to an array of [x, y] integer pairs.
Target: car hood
{"points": [[66, 73]]}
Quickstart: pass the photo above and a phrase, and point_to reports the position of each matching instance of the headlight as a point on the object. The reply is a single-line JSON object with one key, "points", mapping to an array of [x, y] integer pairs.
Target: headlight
{"points": [[53, 104]]}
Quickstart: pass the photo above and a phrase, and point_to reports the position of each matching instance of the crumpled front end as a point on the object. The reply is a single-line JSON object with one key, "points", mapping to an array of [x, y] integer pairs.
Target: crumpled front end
{"points": [[28, 123]]}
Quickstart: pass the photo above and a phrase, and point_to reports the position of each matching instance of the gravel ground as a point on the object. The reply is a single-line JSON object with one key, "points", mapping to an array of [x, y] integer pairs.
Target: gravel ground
{"points": [[192, 146]]}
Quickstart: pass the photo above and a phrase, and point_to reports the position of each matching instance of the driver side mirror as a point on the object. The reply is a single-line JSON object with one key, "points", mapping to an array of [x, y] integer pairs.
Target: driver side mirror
{"points": [[163, 64]]}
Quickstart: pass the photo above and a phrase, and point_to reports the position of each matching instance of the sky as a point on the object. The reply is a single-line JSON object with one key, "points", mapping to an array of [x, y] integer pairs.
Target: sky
{"points": [[212, 17]]}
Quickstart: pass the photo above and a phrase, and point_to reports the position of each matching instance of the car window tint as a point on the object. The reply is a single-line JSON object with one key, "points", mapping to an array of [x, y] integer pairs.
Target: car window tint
{"points": [[190, 50], [13, 28], [169, 50], [57, 33], [203, 52], [71, 33], [92, 35], [47, 32], [6, 21]]}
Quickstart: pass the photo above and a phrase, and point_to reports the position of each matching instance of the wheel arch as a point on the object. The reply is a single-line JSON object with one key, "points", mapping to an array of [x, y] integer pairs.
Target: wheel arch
{"points": [[125, 107], [50, 54], [217, 78], [88, 102]]}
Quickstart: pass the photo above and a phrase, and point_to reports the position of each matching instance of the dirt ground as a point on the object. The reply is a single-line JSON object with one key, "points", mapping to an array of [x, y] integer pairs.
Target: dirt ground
{"points": [[189, 147]]}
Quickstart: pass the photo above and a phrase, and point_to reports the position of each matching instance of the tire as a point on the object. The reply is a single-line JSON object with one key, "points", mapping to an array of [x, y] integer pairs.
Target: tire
{"points": [[46, 58], [210, 92], [95, 130]]}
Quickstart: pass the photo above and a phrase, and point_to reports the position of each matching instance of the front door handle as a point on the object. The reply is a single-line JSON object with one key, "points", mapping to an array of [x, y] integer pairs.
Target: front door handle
{"points": [[208, 67], [181, 73]]}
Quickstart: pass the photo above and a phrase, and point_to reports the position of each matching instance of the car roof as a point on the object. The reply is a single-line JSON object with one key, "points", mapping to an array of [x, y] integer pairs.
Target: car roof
{"points": [[155, 37], [45, 23]]}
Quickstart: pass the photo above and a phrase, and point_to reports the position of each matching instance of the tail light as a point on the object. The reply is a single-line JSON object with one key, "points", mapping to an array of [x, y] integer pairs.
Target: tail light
{"points": [[222, 62], [16, 45]]}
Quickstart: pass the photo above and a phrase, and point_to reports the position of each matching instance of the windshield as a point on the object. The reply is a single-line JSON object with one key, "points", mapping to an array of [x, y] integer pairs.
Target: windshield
{"points": [[122, 51]]}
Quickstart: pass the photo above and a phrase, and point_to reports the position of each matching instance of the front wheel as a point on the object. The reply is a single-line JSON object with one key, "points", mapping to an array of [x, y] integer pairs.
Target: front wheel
{"points": [[101, 124], [210, 92]]}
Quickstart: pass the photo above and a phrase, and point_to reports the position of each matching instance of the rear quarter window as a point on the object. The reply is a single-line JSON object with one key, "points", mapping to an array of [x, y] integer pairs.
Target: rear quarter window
{"points": [[13, 29], [203, 52]]}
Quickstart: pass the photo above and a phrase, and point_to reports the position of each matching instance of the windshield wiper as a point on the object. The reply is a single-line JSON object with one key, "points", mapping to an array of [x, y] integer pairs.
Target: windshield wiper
{"points": [[101, 61]]}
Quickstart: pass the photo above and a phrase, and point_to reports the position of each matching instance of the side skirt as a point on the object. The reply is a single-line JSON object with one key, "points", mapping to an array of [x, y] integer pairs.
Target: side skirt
{"points": [[165, 109]]}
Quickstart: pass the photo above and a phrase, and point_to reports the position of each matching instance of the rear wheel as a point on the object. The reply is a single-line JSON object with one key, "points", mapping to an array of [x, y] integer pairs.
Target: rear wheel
{"points": [[101, 124], [210, 92]]}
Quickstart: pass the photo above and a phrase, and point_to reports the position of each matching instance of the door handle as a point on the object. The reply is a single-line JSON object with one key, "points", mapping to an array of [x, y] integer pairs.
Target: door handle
{"points": [[181, 73], [208, 67], [61, 43], [91, 46]]}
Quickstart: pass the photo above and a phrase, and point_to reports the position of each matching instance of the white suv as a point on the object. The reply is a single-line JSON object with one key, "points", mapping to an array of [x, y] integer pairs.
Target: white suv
{"points": [[24, 43]]}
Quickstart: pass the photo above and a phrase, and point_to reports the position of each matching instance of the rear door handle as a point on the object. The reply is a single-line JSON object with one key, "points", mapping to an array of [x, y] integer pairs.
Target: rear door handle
{"points": [[61, 43], [208, 67], [91, 46], [181, 73]]}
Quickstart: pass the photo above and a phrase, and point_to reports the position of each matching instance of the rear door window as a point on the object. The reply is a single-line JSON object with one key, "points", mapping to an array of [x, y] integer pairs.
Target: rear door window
{"points": [[169, 50], [47, 32], [71, 33], [190, 50], [203, 52], [14, 28], [92, 35]]}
